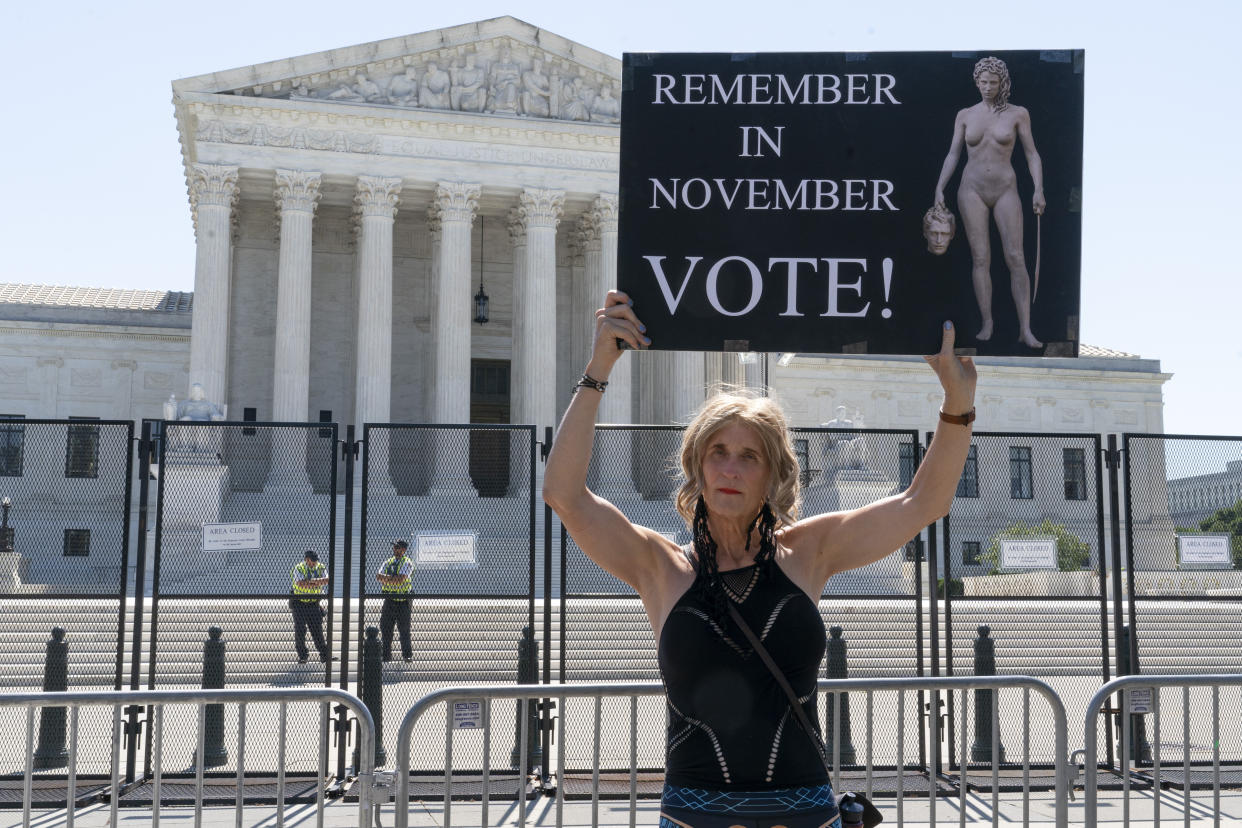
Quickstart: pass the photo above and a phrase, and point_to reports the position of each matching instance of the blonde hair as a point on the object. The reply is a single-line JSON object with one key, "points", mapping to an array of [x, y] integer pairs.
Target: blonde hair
{"points": [[763, 415]]}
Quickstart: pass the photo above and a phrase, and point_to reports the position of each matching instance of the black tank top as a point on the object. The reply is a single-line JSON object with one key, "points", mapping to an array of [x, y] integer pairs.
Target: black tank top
{"points": [[729, 723]]}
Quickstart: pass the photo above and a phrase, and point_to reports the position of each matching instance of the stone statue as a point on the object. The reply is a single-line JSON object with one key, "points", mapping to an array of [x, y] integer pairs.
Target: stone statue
{"points": [[606, 109], [576, 99], [467, 93], [364, 89], [196, 409], [536, 94], [842, 452], [403, 89], [433, 92], [504, 81]]}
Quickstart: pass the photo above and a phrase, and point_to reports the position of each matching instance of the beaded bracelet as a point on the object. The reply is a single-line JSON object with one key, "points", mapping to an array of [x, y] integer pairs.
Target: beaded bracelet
{"points": [[588, 381]]}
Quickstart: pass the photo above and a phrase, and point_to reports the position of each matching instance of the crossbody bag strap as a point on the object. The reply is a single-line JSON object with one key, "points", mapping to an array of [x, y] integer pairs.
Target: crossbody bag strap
{"points": [[777, 674]]}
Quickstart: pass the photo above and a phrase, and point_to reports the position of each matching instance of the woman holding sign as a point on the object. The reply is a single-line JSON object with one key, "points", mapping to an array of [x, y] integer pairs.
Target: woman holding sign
{"points": [[989, 188], [735, 612]]}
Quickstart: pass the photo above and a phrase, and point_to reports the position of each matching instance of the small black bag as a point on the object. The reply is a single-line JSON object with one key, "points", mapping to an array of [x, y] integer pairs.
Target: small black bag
{"points": [[871, 814]]}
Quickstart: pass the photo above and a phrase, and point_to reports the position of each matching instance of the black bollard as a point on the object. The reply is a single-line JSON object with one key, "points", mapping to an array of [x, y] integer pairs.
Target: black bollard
{"points": [[51, 752], [372, 691], [528, 673], [214, 753], [838, 669], [985, 665], [1140, 748]]}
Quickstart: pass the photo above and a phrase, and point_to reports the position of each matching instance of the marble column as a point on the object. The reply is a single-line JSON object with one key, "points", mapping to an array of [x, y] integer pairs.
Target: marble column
{"points": [[297, 195], [519, 455], [655, 378], [687, 384], [581, 304], [534, 311], [433, 298], [213, 194], [376, 204], [616, 405], [456, 203]]}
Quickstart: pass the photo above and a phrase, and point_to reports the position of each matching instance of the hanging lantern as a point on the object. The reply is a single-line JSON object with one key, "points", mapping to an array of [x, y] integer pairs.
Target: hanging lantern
{"points": [[480, 305], [480, 298]]}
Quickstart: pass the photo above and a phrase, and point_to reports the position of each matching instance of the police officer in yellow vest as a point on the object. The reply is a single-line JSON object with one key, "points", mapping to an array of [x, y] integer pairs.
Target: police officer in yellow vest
{"points": [[309, 579], [394, 578]]}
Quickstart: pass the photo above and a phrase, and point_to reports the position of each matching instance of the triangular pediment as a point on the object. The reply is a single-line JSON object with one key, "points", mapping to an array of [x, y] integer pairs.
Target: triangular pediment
{"points": [[501, 66]]}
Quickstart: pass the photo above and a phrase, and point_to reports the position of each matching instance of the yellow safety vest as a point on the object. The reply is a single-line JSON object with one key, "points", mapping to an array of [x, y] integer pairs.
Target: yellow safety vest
{"points": [[392, 566], [302, 572]]}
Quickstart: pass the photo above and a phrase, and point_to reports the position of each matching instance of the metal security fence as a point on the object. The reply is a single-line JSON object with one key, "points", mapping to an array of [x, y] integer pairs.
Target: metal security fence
{"points": [[1183, 550], [463, 498], [1183, 716], [464, 725], [264, 720], [1018, 487], [605, 634], [64, 539], [237, 507]]}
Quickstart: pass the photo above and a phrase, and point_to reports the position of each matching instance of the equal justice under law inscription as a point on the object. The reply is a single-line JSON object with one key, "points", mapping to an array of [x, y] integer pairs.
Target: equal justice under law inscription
{"points": [[776, 202]]}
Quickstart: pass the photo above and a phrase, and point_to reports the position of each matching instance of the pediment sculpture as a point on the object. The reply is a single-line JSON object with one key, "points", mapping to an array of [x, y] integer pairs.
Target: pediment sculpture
{"points": [[503, 81]]}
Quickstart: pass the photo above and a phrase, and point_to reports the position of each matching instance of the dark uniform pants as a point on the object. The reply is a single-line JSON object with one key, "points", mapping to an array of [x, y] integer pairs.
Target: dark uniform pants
{"points": [[396, 612], [307, 615]]}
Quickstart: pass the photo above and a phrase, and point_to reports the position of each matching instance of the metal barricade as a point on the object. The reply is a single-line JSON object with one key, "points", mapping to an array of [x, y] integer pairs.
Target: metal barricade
{"points": [[558, 693], [1150, 702], [159, 699]]}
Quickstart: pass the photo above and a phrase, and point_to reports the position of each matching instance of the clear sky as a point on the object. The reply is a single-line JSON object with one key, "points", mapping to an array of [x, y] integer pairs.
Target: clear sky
{"points": [[94, 192]]}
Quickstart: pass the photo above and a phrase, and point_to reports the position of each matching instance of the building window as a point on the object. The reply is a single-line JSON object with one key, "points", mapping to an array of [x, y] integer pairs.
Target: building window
{"points": [[905, 467], [325, 416], [970, 553], [12, 446], [77, 543], [249, 415], [1020, 473], [1075, 474], [82, 450], [968, 485]]}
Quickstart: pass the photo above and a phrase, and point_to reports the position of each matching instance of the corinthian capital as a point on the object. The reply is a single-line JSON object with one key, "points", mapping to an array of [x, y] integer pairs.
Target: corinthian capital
{"points": [[540, 208], [434, 228], [517, 227], [377, 196], [456, 201], [297, 190], [604, 213], [212, 185], [588, 228]]}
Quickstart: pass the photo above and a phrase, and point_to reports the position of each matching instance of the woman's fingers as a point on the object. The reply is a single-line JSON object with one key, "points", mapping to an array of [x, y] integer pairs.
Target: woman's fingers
{"points": [[611, 327], [621, 311]]}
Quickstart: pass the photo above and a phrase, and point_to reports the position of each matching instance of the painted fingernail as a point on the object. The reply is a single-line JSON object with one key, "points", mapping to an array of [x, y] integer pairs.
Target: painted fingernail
{"points": [[642, 328], [647, 340], [948, 326], [630, 302]]}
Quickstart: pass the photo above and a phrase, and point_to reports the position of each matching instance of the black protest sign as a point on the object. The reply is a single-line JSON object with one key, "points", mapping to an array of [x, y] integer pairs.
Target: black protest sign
{"points": [[850, 203]]}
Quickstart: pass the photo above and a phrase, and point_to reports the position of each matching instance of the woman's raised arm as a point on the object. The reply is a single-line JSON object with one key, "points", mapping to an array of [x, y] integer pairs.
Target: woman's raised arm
{"points": [[840, 541]]}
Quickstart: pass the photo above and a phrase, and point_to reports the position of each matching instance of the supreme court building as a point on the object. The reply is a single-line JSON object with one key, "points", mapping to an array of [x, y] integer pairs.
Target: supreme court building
{"points": [[352, 208]]}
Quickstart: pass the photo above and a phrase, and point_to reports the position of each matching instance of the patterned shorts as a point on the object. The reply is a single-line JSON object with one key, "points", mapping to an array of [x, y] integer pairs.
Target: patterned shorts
{"points": [[810, 807]]}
